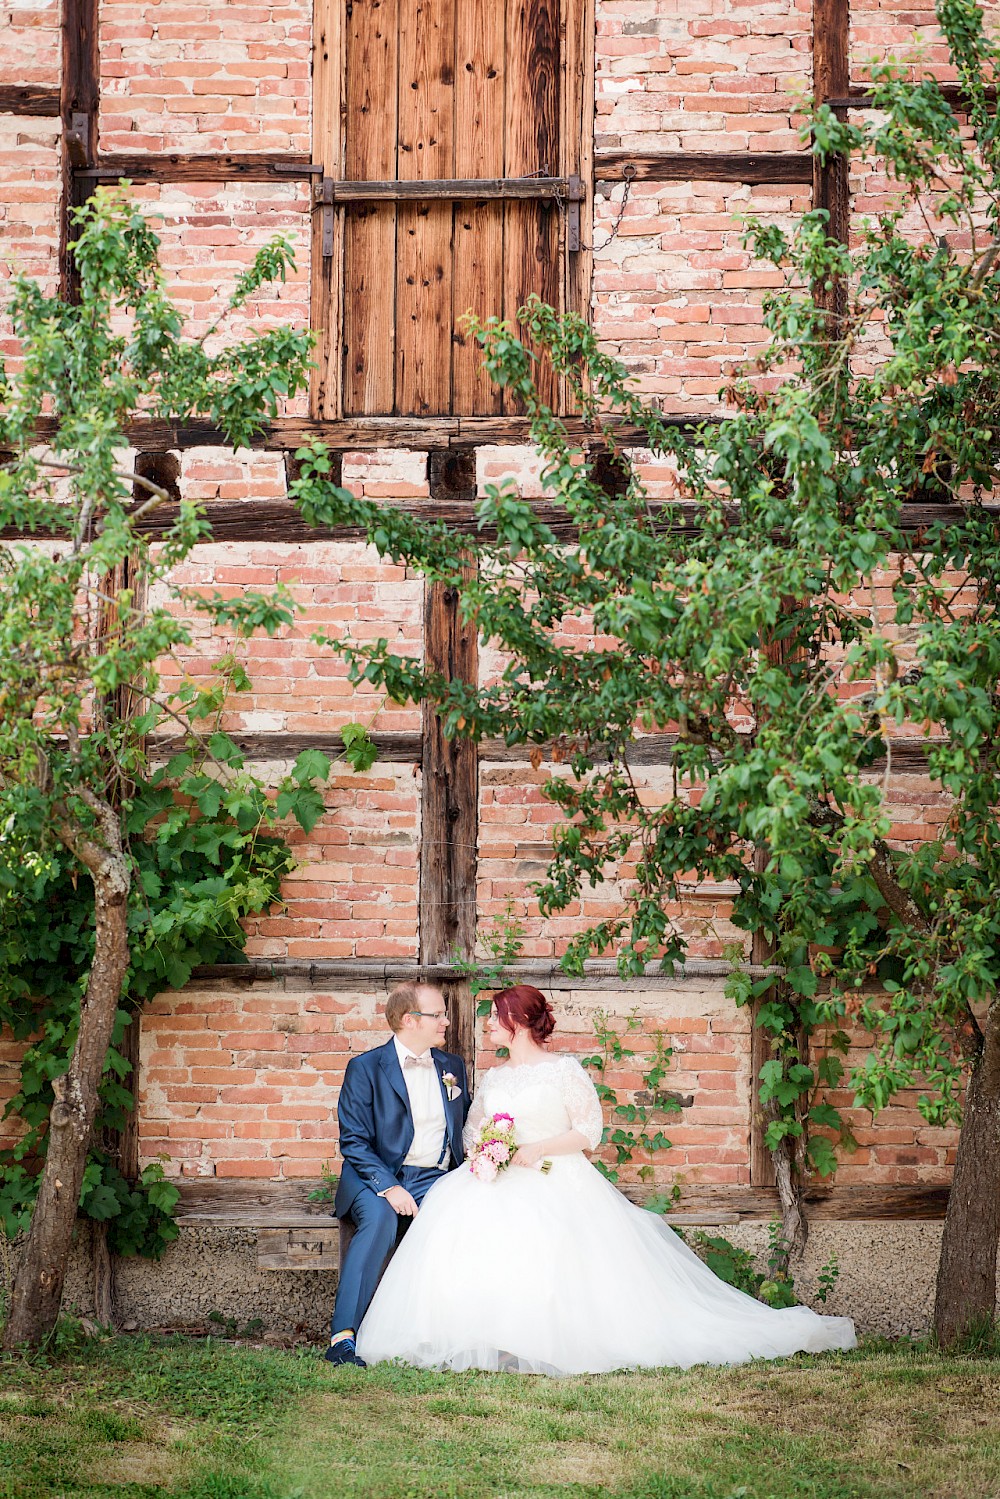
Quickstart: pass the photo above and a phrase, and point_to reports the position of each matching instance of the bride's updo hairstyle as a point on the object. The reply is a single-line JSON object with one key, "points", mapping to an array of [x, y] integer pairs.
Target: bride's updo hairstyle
{"points": [[525, 1006]]}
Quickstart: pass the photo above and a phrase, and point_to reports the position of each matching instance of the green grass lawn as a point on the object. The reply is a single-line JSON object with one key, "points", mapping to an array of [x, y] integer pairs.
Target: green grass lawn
{"points": [[205, 1419]]}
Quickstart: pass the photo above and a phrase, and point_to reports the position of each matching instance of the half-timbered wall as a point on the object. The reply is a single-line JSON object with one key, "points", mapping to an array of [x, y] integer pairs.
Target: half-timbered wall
{"points": [[233, 120]]}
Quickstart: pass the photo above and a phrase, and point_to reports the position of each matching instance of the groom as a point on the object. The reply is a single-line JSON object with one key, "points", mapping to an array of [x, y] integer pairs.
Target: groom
{"points": [[401, 1111]]}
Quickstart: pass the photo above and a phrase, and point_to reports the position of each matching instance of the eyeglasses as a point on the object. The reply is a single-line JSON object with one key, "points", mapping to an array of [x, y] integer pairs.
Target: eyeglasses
{"points": [[429, 1014]]}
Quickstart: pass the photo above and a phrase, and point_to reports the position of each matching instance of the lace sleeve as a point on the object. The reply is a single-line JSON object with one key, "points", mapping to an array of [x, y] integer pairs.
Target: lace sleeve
{"points": [[477, 1113], [582, 1103]]}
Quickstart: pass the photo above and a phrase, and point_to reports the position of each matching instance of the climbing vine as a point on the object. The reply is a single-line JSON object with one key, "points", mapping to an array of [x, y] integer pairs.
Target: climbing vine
{"points": [[630, 1125], [205, 841]]}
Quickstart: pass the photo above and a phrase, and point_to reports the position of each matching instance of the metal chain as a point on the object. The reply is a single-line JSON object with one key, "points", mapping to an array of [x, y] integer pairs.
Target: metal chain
{"points": [[628, 174]]}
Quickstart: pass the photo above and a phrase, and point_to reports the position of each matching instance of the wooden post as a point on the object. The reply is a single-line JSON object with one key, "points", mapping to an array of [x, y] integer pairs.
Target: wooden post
{"points": [[79, 101], [761, 1164], [328, 221], [831, 80], [449, 817]]}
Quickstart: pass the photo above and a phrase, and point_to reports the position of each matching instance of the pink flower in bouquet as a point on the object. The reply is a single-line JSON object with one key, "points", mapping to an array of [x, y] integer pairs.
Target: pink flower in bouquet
{"points": [[493, 1149]]}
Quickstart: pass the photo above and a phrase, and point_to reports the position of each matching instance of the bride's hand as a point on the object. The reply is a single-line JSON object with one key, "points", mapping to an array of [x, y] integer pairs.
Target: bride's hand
{"points": [[528, 1155]]}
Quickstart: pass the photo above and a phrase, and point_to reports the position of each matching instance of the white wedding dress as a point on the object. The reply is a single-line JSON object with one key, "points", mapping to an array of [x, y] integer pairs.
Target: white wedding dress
{"points": [[557, 1273]]}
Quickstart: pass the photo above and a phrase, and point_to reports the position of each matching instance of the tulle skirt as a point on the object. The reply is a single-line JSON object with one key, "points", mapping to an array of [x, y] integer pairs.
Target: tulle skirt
{"points": [[557, 1274]]}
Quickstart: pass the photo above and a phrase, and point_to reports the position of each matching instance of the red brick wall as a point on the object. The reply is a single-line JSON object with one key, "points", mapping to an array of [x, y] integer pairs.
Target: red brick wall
{"points": [[187, 76], [337, 586], [687, 77], [30, 42], [29, 228], [242, 1080]]}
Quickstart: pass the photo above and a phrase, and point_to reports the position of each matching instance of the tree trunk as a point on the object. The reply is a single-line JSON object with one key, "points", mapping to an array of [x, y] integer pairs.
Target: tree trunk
{"points": [[967, 1275], [794, 1223], [104, 1278], [38, 1284]]}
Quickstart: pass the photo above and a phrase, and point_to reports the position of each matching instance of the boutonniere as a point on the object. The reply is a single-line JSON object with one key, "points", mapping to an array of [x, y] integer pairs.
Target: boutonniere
{"points": [[451, 1086]]}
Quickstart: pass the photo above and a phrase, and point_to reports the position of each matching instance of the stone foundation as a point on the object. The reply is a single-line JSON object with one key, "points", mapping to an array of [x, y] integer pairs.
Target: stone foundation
{"points": [[886, 1283]]}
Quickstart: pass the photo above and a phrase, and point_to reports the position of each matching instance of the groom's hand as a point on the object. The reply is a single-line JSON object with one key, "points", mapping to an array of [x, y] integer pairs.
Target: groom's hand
{"points": [[401, 1202]]}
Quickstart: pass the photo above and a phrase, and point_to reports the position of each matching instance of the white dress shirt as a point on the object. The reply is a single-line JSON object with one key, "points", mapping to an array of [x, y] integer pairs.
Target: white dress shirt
{"points": [[427, 1111]]}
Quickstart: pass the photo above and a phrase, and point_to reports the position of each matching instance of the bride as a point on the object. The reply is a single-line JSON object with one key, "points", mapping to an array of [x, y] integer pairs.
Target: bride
{"points": [[553, 1271]]}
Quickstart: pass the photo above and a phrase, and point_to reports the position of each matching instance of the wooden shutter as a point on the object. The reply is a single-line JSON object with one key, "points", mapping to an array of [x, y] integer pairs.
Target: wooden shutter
{"points": [[469, 97]]}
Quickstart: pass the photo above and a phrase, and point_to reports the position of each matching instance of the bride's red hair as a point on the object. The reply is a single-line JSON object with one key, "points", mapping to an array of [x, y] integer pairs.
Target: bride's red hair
{"points": [[526, 1006]]}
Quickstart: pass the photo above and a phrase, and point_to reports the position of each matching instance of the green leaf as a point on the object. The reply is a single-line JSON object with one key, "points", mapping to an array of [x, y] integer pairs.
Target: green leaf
{"points": [[360, 752]]}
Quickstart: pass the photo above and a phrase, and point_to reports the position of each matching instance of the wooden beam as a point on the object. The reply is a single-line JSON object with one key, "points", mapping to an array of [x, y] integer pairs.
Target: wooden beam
{"points": [[79, 100], [354, 973], [326, 288], [751, 167], [300, 1248], [861, 98], [909, 755], [577, 96], [281, 521], [174, 167], [30, 99], [451, 476], [274, 1206], [761, 1051], [393, 748], [128, 1142], [831, 80], [449, 817], [361, 434], [456, 189]]}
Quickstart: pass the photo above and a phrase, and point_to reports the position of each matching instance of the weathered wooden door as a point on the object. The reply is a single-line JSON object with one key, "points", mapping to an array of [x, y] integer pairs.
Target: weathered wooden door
{"points": [[455, 190]]}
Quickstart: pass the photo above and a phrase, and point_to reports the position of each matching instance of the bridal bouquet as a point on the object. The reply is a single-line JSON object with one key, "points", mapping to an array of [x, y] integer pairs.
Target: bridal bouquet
{"points": [[494, 1147]]}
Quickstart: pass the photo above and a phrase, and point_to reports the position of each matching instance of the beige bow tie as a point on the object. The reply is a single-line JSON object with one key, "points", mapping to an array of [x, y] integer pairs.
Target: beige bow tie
{"points": [[425, 1061]]}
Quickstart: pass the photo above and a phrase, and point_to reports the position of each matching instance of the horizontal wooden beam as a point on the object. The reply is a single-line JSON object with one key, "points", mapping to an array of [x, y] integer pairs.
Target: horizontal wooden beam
{"points": [[751, 167], [862, 98], [355, 973], [453, 189], [393, 749], [149, 167], [362, 434], [271, 1205], [908, 755], [281, 521], [29, 99]]}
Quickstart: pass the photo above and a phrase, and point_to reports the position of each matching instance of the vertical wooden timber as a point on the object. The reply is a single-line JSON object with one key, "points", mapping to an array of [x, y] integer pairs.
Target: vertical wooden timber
{"points": [[532, 233], [831, 80], [424, 230], [579, 39], [123, 704], [79, 101], [370, 153], [327, 279], [761, 1164], [477, 286], [449, 817]]}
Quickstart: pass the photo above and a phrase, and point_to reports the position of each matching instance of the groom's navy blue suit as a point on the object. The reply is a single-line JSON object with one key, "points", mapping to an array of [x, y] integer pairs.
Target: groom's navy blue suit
{"points": [[376, 1132]]}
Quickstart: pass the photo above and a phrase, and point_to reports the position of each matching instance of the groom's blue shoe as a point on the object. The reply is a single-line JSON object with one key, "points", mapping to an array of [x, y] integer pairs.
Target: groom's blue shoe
{"points": [[344, 1351]]}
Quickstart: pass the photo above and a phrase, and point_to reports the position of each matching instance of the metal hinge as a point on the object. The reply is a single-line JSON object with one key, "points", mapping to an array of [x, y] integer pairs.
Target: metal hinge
{"points": [[573, 199], [325, 205], [78, 138]]}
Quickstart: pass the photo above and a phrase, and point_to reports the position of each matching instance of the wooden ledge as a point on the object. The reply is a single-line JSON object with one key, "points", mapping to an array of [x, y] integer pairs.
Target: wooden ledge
{"points": [[212, 1203]]}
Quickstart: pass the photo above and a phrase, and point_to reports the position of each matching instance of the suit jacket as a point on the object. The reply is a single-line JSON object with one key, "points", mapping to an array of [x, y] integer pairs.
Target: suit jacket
{"points": [[376, 1127]]}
